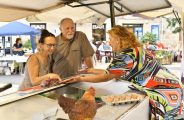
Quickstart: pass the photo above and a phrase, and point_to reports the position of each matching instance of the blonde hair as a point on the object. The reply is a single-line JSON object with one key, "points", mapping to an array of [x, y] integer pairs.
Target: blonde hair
{"points": [[127, 38]]}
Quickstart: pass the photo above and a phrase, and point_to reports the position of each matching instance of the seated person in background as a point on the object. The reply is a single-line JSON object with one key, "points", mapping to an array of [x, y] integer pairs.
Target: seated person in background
{"points": [[105, 50], [1, 52], [134, 64], [17, 47], [38, 64], [104, 47]]}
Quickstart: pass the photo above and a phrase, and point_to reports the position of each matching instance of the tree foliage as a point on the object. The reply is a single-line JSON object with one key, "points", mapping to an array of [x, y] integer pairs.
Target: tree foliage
{"points": [[173, 25], [148, 37], [27, 44]]}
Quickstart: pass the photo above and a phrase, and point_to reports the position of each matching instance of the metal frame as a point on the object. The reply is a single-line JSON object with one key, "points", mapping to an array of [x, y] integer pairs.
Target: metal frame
{"points": [[112, 7]]}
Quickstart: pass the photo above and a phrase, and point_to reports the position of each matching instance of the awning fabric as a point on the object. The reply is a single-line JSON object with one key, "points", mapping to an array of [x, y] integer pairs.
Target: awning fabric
{"points": [[55, 10], [16, 28]]}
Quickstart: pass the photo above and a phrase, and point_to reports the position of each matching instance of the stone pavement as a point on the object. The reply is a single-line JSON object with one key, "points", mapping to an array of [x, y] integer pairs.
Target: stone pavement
{"points": [[175, 68], [14, 79]]}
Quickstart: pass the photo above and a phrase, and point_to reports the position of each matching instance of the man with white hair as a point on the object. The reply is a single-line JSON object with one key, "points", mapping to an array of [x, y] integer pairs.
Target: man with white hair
{"points": [[72, 47]]}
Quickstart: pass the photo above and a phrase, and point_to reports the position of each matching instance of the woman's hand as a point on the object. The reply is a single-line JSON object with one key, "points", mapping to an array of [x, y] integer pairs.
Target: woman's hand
{"points": [[72, 79], [83, 71], [52, 80], [53, 76]]}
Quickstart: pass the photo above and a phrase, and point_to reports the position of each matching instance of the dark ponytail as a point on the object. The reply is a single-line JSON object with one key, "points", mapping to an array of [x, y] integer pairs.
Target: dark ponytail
{"points": [[45, 33]]}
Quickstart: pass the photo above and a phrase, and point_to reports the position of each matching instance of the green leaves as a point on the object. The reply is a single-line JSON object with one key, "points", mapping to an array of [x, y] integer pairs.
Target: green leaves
{"points": [[148, 37], [27, 44], [173, 25]]}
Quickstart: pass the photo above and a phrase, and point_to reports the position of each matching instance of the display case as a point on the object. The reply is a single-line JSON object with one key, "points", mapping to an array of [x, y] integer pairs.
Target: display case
{"points": [[36, 106]]}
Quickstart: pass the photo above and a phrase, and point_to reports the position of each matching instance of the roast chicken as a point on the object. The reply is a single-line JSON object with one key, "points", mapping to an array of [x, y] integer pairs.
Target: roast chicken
{"points": [[83, 109]]}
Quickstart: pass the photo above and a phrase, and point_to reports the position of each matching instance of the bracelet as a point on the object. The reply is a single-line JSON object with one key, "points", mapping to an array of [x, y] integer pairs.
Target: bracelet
{"points": [[88, 70], [106, 72]]}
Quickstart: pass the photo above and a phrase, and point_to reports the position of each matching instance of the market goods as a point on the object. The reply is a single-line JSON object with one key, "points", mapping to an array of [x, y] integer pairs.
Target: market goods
{"points": [[83, 109], [122, 99]]}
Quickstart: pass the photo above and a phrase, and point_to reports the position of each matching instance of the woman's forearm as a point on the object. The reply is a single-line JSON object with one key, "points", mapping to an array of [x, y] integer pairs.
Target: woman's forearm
{"points": [[98, 78], [89, 62], [17, 49], [38, 80], [96, 71], [49, 76]]}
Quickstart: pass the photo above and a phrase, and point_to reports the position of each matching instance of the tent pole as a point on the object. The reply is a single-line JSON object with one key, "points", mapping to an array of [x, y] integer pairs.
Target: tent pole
{"points": [[10, 39], [182, 60], [112, 13], [3, 41], [32, 43]]}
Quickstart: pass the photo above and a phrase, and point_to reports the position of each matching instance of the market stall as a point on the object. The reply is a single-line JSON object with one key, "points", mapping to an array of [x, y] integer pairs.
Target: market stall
{"points": [[164, 56], [31, 106], [7, 61]]}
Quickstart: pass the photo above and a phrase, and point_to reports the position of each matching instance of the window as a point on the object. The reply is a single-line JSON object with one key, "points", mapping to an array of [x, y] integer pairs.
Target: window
{"points": [[137, 29], [155, 31]]}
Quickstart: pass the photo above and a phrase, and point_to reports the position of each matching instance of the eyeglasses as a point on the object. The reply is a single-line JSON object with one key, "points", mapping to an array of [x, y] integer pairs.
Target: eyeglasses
{"points": [[50, 45]]}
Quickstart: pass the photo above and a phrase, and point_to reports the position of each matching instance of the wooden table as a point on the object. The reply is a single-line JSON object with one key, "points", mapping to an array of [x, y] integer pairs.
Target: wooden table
{"points": [[19, 59]]}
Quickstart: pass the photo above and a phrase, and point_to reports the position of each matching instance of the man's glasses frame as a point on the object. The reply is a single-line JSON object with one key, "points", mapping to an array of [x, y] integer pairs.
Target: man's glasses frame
{"points": [[50, 45]]}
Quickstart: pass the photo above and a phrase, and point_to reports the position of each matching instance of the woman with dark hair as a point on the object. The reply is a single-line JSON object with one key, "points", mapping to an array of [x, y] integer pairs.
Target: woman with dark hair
{"points": [[38, 65], [134, 64], [17, 47]]}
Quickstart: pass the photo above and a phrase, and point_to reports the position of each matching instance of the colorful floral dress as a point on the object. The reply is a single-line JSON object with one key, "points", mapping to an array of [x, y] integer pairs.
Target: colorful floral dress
{"points": [[164, 89]]}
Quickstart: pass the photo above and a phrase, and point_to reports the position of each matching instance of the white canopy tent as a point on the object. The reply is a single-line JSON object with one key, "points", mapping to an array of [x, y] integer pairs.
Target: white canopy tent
{"points": [[57, 14], [54, 10]]}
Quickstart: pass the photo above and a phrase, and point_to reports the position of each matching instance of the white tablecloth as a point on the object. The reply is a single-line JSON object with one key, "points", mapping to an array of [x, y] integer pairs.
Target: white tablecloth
{"points": [[18, 59]]}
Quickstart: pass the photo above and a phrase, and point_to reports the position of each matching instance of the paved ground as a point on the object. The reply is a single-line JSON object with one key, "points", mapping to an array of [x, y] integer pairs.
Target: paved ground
{"points": [[175, 68], [14, 79]]}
